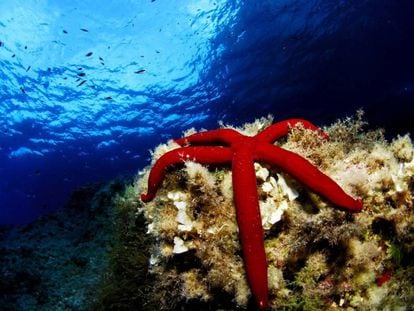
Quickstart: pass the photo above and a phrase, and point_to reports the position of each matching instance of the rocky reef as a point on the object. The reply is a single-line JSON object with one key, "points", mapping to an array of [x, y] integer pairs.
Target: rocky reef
{"points": [[107, 250], [60, 261], [319, 257]]}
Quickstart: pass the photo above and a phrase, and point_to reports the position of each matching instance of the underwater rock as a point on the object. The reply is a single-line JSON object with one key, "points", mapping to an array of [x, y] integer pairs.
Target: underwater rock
{"points": [[318, 257], [58, 262]]}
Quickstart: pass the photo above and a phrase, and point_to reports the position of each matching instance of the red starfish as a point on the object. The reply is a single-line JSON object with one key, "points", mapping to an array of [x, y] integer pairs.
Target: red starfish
{"points": [[241, 151]]}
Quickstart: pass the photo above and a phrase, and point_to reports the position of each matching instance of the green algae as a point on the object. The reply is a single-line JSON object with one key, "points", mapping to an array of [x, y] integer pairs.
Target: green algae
{"points": [[127, 284]]}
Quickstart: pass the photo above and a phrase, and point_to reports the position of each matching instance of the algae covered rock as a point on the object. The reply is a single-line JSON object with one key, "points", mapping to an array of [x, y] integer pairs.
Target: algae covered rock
{"points": [[318, 257], [57, 262]]}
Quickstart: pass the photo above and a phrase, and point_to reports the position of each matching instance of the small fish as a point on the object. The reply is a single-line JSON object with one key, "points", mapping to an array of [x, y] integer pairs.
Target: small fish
{"points": [[82, 83], [64, 31], [49, 69], [140, 71], [28, 68], [81, 74], [89, 54], [22, 89], [1, 43], [14, 55], [158, 52], [80, 68], [102, 63], [84, 30], [25, 47], [100, 58], [108, 98]]}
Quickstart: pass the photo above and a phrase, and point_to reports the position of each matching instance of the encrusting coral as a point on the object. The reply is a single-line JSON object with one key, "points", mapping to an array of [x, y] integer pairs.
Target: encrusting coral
{"points": [[317, 257]]}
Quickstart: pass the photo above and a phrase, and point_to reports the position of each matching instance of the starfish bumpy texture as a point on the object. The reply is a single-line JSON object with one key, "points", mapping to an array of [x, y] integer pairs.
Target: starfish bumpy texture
{"points": [[228, 146]]}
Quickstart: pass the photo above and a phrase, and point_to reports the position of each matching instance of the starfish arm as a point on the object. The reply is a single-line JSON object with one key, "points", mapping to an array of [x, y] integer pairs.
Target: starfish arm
{"points": [[221, 136], [203, 155], [250, 224], [308, 174], [280, 129]]}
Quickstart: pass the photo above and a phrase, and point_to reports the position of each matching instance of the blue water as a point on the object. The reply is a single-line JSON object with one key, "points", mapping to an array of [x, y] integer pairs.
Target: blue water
{"points": [[89, 87]]}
